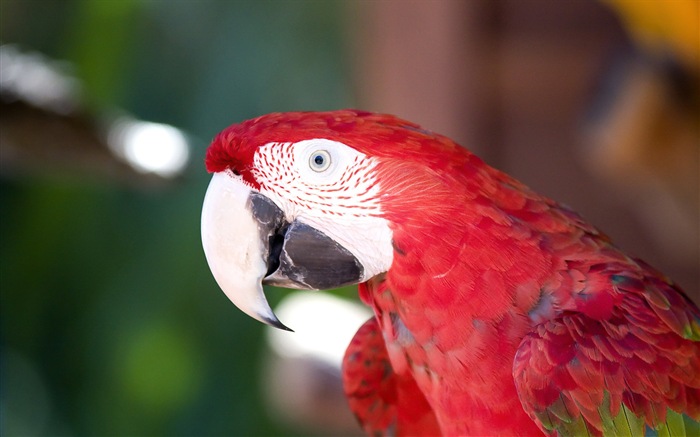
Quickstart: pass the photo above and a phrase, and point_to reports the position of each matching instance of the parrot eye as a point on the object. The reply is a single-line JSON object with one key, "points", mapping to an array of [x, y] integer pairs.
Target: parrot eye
{"points": [[320, 161]]}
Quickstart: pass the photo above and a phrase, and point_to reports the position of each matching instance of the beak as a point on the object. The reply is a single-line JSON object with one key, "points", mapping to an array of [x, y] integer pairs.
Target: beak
{"points": [[247, 242]]}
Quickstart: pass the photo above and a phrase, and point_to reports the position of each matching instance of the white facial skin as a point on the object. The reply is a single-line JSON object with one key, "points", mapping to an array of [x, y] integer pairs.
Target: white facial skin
{"points": [[332, 188]]}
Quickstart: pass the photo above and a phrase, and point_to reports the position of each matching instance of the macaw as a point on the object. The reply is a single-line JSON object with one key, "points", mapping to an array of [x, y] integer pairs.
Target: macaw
{"points": [[497, 311]]}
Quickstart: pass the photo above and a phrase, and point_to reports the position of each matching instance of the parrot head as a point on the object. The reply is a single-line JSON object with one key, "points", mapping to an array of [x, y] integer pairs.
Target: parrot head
{"points": [[317, 200]]}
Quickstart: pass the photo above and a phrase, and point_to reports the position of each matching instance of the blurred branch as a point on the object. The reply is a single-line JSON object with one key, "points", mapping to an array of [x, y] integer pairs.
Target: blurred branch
{"points": [[45, 130]]}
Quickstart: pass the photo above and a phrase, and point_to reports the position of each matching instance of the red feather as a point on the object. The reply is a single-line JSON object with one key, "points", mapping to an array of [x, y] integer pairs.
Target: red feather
{"points": [[384, 402]]}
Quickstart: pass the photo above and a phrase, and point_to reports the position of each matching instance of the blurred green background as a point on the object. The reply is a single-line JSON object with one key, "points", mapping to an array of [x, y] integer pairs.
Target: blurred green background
{"points": [[111, 321]]}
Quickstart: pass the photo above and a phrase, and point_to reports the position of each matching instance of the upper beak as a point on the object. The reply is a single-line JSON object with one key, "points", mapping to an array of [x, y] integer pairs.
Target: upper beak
{"points": [[247, 242], [235, 251]]}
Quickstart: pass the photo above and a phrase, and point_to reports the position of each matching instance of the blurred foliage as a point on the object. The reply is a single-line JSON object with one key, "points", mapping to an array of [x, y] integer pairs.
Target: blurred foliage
{"points": [[111, 323]]}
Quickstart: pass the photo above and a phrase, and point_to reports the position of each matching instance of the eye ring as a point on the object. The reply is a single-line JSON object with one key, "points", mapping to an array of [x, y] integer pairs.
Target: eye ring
{"points": [[320, 161]]}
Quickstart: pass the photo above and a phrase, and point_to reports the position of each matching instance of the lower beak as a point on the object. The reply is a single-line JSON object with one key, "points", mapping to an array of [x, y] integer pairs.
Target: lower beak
{"points": [[247, 242]]}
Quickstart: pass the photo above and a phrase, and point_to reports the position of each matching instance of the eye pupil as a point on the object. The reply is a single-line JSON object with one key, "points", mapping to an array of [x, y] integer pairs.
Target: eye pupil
{"points": [[319, 160]]}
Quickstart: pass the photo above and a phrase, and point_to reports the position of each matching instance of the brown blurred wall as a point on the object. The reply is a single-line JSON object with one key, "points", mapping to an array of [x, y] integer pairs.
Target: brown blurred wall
{"points": [[512, 80]]}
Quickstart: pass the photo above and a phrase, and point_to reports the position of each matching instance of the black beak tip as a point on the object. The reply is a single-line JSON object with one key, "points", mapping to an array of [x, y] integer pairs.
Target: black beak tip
{"points": [[274, 321]]}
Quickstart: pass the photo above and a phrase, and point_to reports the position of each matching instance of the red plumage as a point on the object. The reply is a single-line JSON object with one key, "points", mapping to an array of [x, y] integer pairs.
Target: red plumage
{"points": [[508, 312], [388, 401]]}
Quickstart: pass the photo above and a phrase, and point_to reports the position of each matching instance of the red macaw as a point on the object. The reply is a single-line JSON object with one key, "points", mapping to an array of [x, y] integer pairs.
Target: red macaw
{"points": [[496, 310]]}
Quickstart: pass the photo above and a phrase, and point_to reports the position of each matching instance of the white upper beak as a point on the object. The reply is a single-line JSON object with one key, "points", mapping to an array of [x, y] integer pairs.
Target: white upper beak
{"points": [[232, 245]]}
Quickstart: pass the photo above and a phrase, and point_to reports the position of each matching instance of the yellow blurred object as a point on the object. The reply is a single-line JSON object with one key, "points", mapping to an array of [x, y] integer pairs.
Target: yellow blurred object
{"points": [[645, 139], [660, 25]]}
